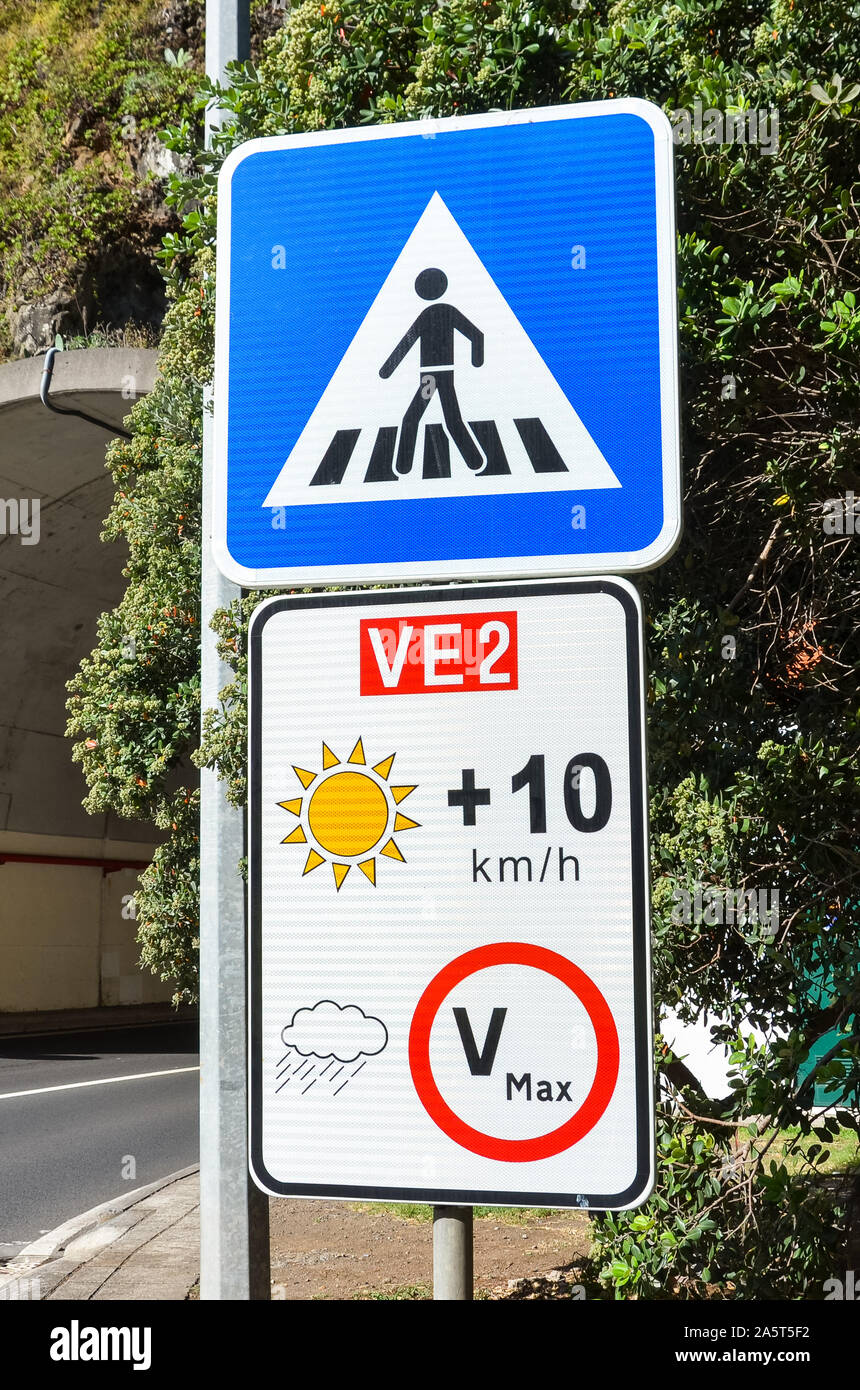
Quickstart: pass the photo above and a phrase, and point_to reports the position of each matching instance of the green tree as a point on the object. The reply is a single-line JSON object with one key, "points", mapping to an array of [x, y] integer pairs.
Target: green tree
{"points": [[84, 89], [752, 740]]}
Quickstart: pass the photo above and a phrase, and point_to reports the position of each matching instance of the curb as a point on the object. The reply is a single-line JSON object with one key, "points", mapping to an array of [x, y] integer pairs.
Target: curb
{"points": [[51, 1245], [17, 1026]]}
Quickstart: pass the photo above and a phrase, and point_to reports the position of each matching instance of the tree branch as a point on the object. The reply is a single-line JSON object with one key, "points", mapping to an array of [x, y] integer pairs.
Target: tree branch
{"points": [[757, 566]]}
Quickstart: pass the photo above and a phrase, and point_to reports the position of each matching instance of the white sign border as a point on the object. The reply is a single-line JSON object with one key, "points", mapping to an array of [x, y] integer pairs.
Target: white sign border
{"points": [[513, 567], [642, 1185]]}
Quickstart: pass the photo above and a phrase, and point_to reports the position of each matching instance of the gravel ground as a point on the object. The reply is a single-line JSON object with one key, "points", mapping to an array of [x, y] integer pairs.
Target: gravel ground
{"points": [[343, 1250]]}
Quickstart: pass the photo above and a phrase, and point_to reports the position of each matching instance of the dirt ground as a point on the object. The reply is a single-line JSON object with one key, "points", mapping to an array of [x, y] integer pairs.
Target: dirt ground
{"points": [[343, 1250]]}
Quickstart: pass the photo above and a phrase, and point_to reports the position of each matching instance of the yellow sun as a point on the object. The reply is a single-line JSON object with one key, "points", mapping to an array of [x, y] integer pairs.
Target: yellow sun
{"points": [[348, 814]]}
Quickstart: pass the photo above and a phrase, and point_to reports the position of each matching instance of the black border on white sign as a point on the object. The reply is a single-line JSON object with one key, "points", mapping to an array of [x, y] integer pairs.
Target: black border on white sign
{"points": [[642, 1184]]}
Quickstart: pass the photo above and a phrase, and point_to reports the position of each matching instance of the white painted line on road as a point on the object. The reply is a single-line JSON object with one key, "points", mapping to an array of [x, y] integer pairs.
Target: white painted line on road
{"points": [[103, 1081]]}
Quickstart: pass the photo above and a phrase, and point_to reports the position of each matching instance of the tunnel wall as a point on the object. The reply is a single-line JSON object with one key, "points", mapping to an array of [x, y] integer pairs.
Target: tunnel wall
{"points": [[67, 931]]}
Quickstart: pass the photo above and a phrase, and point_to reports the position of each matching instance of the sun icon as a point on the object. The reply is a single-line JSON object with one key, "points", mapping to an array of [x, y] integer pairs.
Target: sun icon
{"points": [[348, 815]]}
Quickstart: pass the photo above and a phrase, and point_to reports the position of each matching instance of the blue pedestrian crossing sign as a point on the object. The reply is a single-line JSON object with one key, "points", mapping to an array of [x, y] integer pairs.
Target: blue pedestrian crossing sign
{"points": [[447, 349]]}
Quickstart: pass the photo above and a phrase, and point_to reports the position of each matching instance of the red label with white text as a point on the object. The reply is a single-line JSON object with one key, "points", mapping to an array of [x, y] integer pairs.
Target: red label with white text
{"points": [[422, 655]]}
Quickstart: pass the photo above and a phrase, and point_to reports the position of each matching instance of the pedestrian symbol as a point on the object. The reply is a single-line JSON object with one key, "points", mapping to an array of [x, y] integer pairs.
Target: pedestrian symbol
{"points": [[479, 410], [434, 330]]}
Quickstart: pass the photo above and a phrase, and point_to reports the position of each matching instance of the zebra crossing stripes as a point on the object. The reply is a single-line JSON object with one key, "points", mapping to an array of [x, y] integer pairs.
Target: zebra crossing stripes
{"points": [[541, 451]]}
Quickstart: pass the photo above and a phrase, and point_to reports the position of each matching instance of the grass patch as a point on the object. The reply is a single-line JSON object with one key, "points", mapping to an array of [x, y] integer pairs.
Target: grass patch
{"points": [[422, 1212], [406, 1293], [802, 1153], [129, 335]]}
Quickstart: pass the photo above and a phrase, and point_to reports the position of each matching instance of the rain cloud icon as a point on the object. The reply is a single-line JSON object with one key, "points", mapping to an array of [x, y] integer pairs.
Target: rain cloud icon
{"points": [[330, 1033]]}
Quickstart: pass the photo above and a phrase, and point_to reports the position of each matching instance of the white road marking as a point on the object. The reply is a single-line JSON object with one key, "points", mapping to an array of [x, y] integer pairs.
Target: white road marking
{"points": [[103, 1081]]}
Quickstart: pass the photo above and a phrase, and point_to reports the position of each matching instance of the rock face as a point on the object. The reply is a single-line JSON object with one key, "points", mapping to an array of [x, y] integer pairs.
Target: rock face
{"points": [[150, 159], [119, 284], [114, 285], [35, 324], [127, 284], [183, 24], [153, 163]]}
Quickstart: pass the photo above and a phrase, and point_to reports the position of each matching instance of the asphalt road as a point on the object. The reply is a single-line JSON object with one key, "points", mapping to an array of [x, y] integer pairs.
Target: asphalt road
{"points": [[65, 1150]]}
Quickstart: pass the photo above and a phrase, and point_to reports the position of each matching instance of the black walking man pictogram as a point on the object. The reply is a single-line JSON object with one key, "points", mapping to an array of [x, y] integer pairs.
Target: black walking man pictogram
{"points": [[434, 329]]}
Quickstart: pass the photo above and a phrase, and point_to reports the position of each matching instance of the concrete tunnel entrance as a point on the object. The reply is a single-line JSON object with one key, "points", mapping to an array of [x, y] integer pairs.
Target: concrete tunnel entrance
{"points": [[67, 930]]}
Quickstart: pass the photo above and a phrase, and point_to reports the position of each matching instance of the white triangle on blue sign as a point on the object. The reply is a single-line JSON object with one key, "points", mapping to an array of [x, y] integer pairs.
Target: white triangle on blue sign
{"points": [[487, 418]]}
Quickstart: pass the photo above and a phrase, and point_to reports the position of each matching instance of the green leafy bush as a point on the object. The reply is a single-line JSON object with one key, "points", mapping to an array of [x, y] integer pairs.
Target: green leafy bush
{"points": [[81, 82]]}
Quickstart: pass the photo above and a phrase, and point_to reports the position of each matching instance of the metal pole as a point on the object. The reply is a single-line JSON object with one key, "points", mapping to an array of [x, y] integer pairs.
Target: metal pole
{"points": [[452, 1253], [234, 1215]]}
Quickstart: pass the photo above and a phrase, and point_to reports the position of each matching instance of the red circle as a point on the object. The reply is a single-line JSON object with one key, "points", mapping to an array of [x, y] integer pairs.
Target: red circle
{"points": [[606, 1074]]}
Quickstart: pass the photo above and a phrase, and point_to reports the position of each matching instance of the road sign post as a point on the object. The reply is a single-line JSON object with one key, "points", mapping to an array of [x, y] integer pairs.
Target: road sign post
{"points": [[448, 893], [234, 1230], [453, 1254]]}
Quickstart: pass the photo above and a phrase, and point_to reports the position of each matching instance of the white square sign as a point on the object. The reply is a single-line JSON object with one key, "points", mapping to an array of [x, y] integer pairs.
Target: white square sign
{"points": [[448, 896]]}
